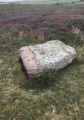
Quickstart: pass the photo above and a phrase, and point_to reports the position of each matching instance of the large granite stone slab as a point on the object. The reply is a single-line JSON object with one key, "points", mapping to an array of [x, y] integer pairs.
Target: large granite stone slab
{"points": [[50, 55]]}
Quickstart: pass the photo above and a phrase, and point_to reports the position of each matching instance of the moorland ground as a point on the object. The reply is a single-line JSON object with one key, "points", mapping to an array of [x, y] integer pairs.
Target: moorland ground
{"points": [[47, 1], [52, 95]]}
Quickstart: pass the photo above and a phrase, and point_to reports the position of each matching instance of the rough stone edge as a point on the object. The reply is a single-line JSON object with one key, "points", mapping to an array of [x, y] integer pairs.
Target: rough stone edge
{"points": [[29, 61]]}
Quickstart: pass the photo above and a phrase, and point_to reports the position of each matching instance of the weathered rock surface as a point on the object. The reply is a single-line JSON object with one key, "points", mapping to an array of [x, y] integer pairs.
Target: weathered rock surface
{"points": [[50, 55]]}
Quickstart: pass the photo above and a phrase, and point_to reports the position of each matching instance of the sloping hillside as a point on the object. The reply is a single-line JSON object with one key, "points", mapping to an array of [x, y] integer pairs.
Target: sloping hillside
{"points": [[4, 3], [46, 1]]}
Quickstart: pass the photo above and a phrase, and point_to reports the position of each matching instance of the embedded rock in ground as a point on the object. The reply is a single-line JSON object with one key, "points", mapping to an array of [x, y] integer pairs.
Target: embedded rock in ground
{"points": [[50, 55]]}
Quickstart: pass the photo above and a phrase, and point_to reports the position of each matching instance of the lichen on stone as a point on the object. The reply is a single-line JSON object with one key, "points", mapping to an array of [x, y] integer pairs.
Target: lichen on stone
{"points": [[52, 54]]}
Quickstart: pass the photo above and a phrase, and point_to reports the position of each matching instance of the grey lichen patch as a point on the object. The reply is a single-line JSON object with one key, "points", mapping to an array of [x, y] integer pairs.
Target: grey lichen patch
{"points": [[53, 54]]}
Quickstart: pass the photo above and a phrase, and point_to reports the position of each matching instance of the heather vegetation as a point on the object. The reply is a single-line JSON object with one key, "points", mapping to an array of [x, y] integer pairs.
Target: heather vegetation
{"points": [[52, 95], [47, 1]]}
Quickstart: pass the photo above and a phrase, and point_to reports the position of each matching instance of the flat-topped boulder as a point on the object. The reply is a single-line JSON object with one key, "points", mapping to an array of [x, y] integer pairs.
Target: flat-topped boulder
{"points": [[50, 55]]}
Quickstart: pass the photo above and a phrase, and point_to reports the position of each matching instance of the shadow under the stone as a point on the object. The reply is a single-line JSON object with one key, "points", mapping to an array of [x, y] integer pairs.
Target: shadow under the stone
{"points": [[40, 82], [23, 68], [46, 80]]}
